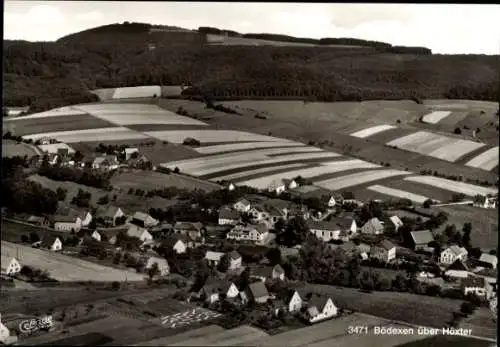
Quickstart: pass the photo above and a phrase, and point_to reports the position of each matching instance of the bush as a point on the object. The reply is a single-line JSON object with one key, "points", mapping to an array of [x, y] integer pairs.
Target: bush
{"points": [[115, 285], [457, 131], [189, 141], [25, 239]]}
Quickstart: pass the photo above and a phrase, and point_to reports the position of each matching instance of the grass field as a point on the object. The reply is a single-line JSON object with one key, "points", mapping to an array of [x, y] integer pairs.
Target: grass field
{"points": [[54, 147], [56, 112], [452, 186], [435, 193], [244, 146], [12, 231], [358, 179], [372, 131], [447, 341], [481, 322], [137, 92], [12, 148], [195, 333], [435, 117], [486, 160], [210, 136], [399, 194], [242, 334]]}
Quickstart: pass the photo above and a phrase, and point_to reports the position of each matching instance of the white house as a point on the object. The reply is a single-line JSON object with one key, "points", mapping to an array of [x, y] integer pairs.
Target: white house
{"points": [[290, 183], [213, 258], [130, 151], [324, 230], [67, 223], [476, 285], [144, 220], [234, 260], [110, 215], [141, 233], [86, 218], [277, 186], [176, 243], [242, 205], [10, 266], [488, 260], [259, 214], [230, 187], [320, 308], [485, 201], [214, 290], [252, 232], [293, 301], [452, 253], [329, 200], [263, 273], [96, 236], [396, 222], [384, 251], [228, 216], [162, 263], [51, 242]]}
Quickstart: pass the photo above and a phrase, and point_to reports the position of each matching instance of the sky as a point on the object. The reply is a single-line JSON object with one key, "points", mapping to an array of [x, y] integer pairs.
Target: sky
{"points": [[444, 28]]}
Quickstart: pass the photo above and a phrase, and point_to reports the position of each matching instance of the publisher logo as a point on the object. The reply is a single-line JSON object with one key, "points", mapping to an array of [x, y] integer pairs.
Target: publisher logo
{"points": [[34, 324]]}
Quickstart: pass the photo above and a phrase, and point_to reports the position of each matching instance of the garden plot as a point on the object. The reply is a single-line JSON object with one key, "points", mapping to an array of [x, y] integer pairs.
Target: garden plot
{"points": [[372, 131], [56, 112], [435, 117], [12, 149], [412, 141], [132, 118], [207, 136], [241, 335], [239, 175], [358, 179], [452, 186], [398, 193], [88, 135], [212, 169], [455, 150], [192, 316], [325, 168], [67, 269], [54, 147], [487, 160], [137, 92], [233, 147]]}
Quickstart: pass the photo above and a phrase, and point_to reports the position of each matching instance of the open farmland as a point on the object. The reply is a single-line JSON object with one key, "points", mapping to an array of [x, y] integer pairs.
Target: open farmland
{"points": [[242, 334], [452, 186], [372, 131], [358, 179], [101, 135], [12, 148], [272, 169], [137, 92], [398, 193], [448, 341], [54, 147], [324, 168], [67, 269], [486, 160], [208, 136], [195, 333], [434, 193], [104, 94], [435, 117], [56, 112], [233, 147]]}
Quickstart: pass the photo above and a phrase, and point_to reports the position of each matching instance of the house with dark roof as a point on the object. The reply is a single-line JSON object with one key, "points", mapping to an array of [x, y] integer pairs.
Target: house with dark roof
{"points": [[420, 239], [476, 285], [242, 205], [37, 220], [277, 186], [255, 292], [109, 215], [263, 272], [191, 229], [144, 220], [67, 223], [458, 269], [177, 243], [140, 233], [234, 260], [215, 290], [452, 253], [51, 242], [292, 300], [213, 258], [385, 250], [373, 227], [324, 230], [488, 260], [255, 233], [319, 308], [228, 216]]}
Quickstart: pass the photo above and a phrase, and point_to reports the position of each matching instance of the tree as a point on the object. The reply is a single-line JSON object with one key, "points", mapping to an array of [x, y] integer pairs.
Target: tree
{"points": [[117, 258], [467, 308], [295, 232], [457, 131], [25, 238], [400, 283], [274, 256], [244, 279], [224, 263], [34, 237], [427, 203], [103, 200], [61, 194], [153, 271]]}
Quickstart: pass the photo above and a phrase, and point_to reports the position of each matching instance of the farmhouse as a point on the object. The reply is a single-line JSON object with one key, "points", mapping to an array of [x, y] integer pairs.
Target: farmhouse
{"points": [[85, 216], [213, 258], [129, 152], [255, 292], [229, 186], [177, 243], [108, 162], [373, 227], [292, 300], [259, 214], [384, 251], [242, 205], [193, 230], [458, 269], [476, 285], [275, 215], [277, 186], [252, 232], [421, 239], [96, 236], [319, 308], [234, 260], [214, 290], [452, 253], [9, 266], [162, 263], [110, 215], [488, 260], [324, 230], [392, 224], [141, 233], [144, 220], [262, 273], [36, 220], [328, 200], [51, 242], [67, 223], [228, 216], [485, 201], [290, 183]]}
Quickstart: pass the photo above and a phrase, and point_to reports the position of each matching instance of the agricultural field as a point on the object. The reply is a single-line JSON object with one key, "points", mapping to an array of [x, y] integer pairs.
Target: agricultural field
{"points": [[104, 94], [209, 136], [487, 160], [359, 178], [435, 117], [432, 192], [54, 147], [194, 333], [56, 112], [11, 148], [452, 186], [398, 193], [482, 322], [372, 131], [96, 134], [243, 334], [12, 231], [137, 92], [67, 269], [236, 177], [233, 147], [448, 341]]}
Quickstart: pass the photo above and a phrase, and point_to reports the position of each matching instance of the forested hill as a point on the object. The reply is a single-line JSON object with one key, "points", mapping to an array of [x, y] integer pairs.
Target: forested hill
{"points": [[52, 74]]}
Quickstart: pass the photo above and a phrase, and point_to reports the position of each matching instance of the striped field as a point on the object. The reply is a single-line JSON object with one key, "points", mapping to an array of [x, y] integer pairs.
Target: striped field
{"points": [[435, 117], [62, 111], [148, 118], [358, 178], [372, 131], [245, 146], [207, 136], [398, 193], [487, 160], [452, 186], [102, 134], [236, 176]]}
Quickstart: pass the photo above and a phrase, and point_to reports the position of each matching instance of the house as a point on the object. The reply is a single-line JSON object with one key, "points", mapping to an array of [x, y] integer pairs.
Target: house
{"points": [[373, 227], [298, 211], [324, 230], [476, 285], [177, 243], [107, 162], [51, 242], [110, 235], [259, 214], [364, 250], [384, 251], [263, 273], [346, 223], [96, 236], [193, 230], [67, 223], [215, 289], [52, 158], [452, 253], [213, 258], [393, 223], [86, 217], [292, 300], [255, 292], [277, 186], [37, 220], [110, 215], [234, 260], [162, 264], [319, 308], [242, 205], [144, 220], [458, 269], [488, 260], [129, 152], [290, 183], [421, 239], [9, 266], [229, 186], [141, 233], [228, 216], [485, 201], [328, 200], [256, 233]]}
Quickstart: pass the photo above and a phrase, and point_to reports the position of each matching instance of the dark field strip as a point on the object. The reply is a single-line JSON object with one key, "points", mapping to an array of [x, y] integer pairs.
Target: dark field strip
{"points": [[471, 155], [279, 155], [242, 151], [389, 135], [162, 127], [312, 162], [421, 189], [365, 194], [282, 170], [57, 123], [341, 174]]}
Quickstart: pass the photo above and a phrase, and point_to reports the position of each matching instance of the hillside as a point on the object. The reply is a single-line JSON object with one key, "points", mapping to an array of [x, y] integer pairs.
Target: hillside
{"points": [[52, 74]]}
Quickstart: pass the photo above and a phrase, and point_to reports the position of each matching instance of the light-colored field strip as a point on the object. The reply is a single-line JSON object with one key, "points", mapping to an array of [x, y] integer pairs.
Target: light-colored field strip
{"points": [[65, 268], [87, 135], [246, 145], [435, 117], [119, 107], [486, 160], [435, 144], [238, 175], [325, 168], [372, 131], [239, 157], [63, 111], [412, 141], [159, 118], [452, 186], [137, 92], [455, 150], [399, 193], [215, 169], [53, 147], [358, 178], [207, 136]]}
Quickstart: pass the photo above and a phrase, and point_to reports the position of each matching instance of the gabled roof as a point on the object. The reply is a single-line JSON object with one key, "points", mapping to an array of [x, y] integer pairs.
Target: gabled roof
{"points": [[274, 211], [243, 201], [48, 240], [266, 271], [318, 301], [141, 216], [171, 240], [214, 285], [258, 290], [214, 256], [276, 184], [35, 219], [110, 211], [135, 231], [422, 237], [473, 281], [458, 265], [188, 226], [228, 213], [342, 222], [374, 224], [287, 295], [457, 250], [396, 221], [488, 258], [322, 225], [347, 195], [386, 244], [64, 219], [131, 150]]}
